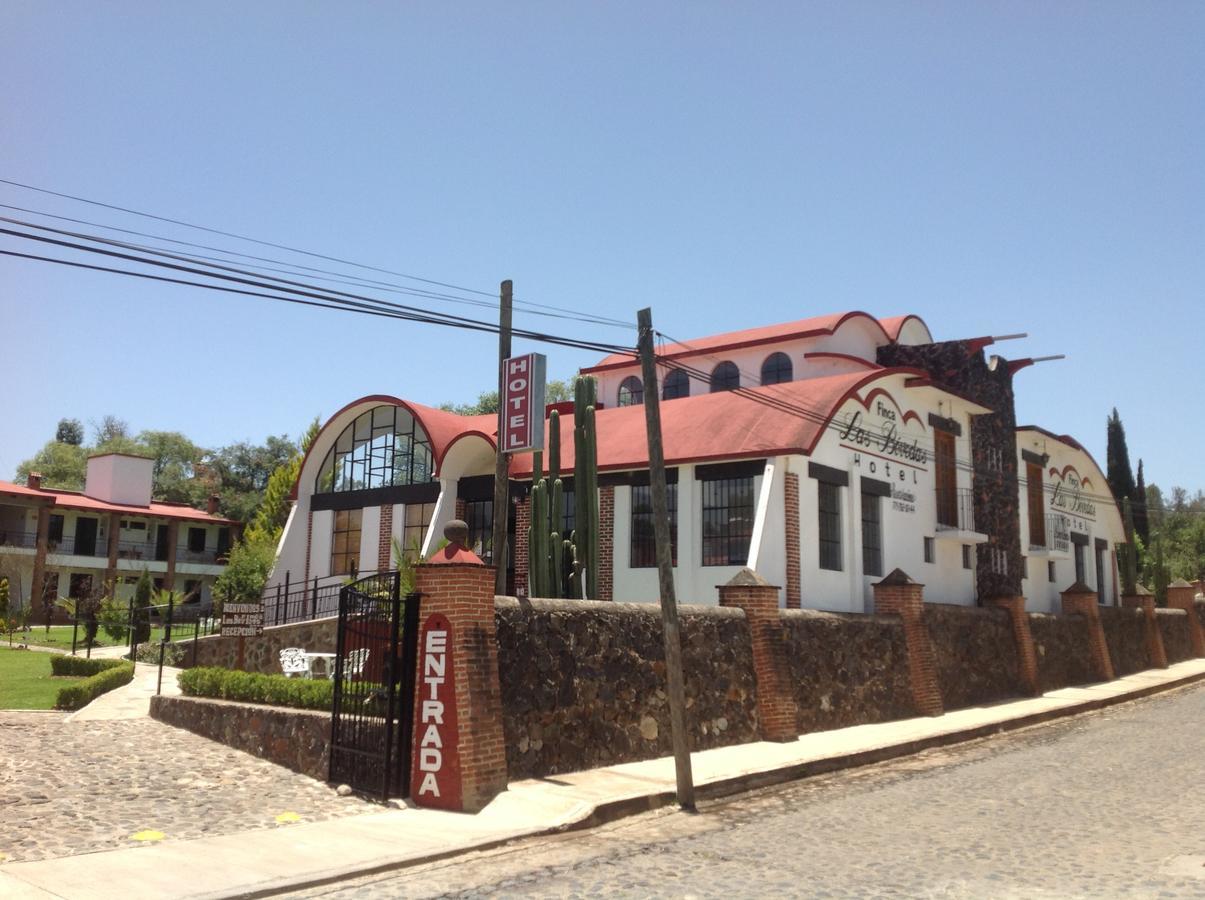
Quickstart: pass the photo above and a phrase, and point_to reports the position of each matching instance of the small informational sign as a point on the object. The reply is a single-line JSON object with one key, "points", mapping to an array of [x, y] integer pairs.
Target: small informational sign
{"points": [[435, 779], [523, 403], [242, 619]]}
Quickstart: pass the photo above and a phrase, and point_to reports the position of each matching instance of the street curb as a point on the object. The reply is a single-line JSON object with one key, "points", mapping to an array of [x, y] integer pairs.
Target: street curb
{"points": [[611, 811]]}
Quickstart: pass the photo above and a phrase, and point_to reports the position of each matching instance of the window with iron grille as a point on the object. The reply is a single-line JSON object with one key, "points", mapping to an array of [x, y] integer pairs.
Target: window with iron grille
{"points": [[725, 377], [644, 544], [930, 550], [196, 540], [829, 506], [631, 391], [777, 369], [872, 534], [677, 384], [966, 556], [1050, 571], [727, 521], [345, 542]]}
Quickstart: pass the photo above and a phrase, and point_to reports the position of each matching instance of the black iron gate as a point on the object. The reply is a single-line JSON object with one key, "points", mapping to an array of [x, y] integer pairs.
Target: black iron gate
{"points": [[373, 713]]}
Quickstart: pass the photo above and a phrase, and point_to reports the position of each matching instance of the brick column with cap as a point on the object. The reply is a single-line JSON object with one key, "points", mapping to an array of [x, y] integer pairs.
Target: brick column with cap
{"points": [[459, 750], [776, 708], [518, 552], [899, 595], [790, 494], [1079, 599], [1144, 600], [1181, 595], [1027, 657], [606, 543]]}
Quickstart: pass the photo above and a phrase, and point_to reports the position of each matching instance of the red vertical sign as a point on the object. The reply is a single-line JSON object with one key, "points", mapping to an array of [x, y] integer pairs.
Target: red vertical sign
{"points": [[435, 775], [523, 403]]}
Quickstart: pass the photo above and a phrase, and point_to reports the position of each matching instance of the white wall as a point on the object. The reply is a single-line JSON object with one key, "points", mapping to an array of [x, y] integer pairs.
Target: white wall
{"points": [[116, 478], [320, 543]]}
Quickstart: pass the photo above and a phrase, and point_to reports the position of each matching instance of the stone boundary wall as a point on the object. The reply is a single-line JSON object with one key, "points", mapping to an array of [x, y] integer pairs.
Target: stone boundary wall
{"points": [[298, 739], [976, 654], [846, 669], [583, 682], [262, 654], [1125, 634], [1064, 650], [1177, 642]]}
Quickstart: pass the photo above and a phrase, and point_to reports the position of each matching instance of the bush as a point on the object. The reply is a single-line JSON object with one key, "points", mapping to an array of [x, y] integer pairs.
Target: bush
{"points": [[252, 687], [77, 696], [78, 665], [173, 654]]}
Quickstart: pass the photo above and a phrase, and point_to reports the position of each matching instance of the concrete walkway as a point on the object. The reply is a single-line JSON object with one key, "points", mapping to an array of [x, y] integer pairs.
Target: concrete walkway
{"points": [[264, 862], [133, 701]]}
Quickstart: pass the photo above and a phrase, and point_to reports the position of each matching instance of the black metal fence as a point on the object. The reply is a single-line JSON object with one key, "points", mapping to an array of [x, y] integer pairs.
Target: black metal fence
{"points": [[290, 601]]}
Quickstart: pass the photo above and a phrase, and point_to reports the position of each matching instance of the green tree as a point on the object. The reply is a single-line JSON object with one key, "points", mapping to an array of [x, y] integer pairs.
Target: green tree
{"points": [[273, 511], [4, 619], [111, 430], [1142, 524], [1119, 474], [60, 465], [175, 463], [246, 573], [142, 604], [70, 431], [487, 401]]}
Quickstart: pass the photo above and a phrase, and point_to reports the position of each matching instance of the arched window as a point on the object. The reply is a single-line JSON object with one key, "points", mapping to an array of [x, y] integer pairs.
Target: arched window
{"points": [[631, 391], [725, 377], [677, 384], [776, 369], [383, 447]]}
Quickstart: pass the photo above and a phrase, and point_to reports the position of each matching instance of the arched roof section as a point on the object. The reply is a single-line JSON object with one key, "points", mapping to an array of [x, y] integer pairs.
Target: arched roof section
{"points": [[1099, 483], [442, 428], [909, 329]]}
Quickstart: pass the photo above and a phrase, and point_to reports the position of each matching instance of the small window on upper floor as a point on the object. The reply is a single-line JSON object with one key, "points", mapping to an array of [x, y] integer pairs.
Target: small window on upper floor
{"points": [[777, 369], [725, 377], [677, 384], [631, 391]]}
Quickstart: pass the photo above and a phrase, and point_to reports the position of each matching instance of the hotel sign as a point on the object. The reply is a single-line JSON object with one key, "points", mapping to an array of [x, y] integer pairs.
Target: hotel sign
{"points": [[436, 778], [522, 403], [242, 619]]}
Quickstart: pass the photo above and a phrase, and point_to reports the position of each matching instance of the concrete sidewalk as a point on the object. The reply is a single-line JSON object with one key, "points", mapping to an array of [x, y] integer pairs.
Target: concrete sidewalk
{"points": [[261, 862]]}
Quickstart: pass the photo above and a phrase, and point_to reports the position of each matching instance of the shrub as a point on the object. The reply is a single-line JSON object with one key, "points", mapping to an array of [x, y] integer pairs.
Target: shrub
{"points": [[173, 654], [78, 665], [77, 696], [252, 687]]}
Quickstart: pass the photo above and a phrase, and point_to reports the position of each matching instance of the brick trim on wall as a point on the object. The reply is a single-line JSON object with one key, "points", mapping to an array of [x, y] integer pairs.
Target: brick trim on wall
{"points": [[309, 540], [606, 543], [519, 551], [1027, 657], [776, 712], [908, 602], [1155, 652], [1086, 605], [385, 542], [790, 489]]}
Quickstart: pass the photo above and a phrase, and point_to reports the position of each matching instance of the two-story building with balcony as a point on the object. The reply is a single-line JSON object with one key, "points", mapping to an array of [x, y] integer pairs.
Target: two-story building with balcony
{"points": [[56, 543], [821, 453]]}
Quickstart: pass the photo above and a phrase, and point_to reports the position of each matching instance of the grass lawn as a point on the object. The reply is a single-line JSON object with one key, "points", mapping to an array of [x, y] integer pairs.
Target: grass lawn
{"points": [[60, 637], [26, 682]]}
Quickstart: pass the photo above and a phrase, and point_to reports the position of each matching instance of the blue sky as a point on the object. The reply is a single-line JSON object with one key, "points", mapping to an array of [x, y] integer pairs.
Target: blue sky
{"points": [[992, 167]]}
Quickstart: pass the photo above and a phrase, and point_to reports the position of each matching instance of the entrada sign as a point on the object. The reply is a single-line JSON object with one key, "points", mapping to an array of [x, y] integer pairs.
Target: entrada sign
{"points": [[523, 403], [436, 778]]}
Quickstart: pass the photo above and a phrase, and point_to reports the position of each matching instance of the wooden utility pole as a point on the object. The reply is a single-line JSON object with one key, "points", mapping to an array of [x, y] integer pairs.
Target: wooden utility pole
{"points": [[665, 566], [502, 463]]}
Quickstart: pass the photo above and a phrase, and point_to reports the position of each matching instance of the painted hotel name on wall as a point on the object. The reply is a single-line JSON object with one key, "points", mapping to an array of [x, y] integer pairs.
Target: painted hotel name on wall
{"points": [[436, 779], [1069, 494], [880, 429]]}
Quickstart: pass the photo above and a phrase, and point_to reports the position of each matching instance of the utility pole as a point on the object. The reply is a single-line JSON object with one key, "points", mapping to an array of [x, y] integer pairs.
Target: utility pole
{"points": [[665, 567], [502, 463]]}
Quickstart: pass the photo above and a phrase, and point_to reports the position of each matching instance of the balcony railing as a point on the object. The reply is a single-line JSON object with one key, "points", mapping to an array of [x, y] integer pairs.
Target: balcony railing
{"points": [[1057, 535], [68, 546], [27, 539], [99, 548], [300, 602], [955, 510]]}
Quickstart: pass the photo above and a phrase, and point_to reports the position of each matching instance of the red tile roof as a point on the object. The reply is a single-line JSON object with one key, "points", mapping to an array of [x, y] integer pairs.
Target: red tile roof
{"points": [[76, 500]]}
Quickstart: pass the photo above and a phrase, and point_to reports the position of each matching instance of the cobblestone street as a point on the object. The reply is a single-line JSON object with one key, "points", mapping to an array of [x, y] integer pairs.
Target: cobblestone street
{"points": [[1103, 805], [77, 787]]}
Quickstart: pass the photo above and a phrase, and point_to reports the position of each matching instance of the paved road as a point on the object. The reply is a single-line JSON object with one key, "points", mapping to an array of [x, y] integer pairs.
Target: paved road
{"points": [[1104, 805]]}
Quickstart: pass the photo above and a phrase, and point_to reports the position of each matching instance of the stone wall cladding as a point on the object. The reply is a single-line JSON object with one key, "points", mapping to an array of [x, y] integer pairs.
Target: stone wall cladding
{"points": [[1177, 642], [976, 653], [297, 739], [583, 682], [846, 669], [1125, 635], [262, 654], [1064, 649]]}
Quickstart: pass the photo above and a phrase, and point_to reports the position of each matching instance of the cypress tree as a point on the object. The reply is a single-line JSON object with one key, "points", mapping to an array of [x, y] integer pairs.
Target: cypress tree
{"points": [[1119, 473], [1142, 524]]}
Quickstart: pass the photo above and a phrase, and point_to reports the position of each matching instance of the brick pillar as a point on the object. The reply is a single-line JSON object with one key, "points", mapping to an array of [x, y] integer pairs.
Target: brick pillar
{"points": [[1079, 599], [1180, 595], [111, 567], [1145, 601], [606, 543], [1027, 657], [458, 602], [519, 551], [899, 595], [790, 488], [173, 539], [37, 585], [309, 539], [385, 541], [776, 707]]}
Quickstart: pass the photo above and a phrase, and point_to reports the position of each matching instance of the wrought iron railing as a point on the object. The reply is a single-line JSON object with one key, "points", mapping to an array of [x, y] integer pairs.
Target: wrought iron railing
{"points": [[290, 601], [955, 510], [28, 539]]}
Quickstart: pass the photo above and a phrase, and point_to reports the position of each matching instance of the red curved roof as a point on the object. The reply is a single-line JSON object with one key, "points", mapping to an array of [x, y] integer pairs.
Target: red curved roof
{"points": [[895, 324], [76, 500]]}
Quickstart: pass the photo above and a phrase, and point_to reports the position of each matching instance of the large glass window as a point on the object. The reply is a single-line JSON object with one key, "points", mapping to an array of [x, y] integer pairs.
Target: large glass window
{"points": [[872, 534], [677, 384], [345, 542], [644, 544], [829, 506], [631, 391], [727, 521], [777, 369], [725, 377], [383, 447], [479, 516], [414, 531]]}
